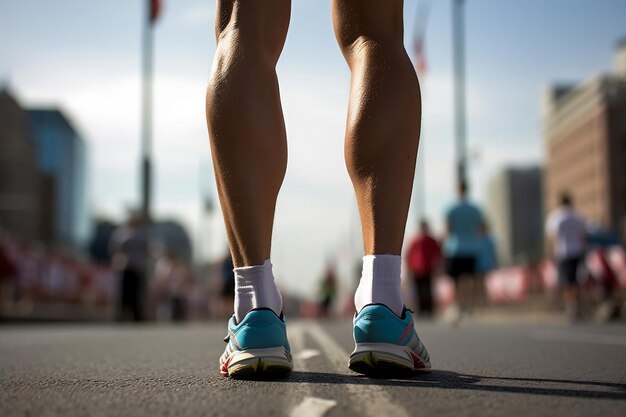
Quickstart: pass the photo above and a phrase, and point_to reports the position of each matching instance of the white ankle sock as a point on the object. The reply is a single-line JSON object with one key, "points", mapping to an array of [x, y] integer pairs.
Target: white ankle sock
{"points": [[254, 288], [380, 283]]}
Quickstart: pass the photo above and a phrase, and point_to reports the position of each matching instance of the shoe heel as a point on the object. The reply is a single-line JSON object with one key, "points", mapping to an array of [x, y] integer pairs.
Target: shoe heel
{"points": [[385, 360], [268, 362]]}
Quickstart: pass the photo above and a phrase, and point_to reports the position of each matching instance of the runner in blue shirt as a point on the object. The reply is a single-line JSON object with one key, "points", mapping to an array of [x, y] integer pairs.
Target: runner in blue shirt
{"points": [[462, 246]]}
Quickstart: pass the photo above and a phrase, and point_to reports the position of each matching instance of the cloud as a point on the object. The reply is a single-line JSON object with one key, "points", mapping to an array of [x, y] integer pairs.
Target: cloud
{"points": [[438, 100], [201, 12]]}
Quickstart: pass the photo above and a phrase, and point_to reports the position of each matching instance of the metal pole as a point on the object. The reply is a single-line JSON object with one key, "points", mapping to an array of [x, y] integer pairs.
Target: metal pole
{"points": [[146, 115], [460, 128], [419, 181]]}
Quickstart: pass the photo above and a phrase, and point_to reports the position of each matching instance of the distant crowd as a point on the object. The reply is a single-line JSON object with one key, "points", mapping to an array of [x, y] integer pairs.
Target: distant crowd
{"points": [[32, 273], [466, 254], [137, 283], [582, 258]]}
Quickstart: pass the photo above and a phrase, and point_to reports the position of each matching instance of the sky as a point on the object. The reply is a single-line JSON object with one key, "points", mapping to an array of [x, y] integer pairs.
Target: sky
{"points": [[84, 56]]}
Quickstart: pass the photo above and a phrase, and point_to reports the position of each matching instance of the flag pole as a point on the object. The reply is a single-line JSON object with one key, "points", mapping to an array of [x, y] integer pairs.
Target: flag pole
{"points": [[146, 113], [458, 32], [419, 43]]}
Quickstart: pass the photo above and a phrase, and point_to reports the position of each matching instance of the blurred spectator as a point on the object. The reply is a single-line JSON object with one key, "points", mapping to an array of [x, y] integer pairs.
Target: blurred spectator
{"points": [[173, 285], [487, 260], [599, 243], [423, 257], [42, 283], [129, 256], [609, 307], [328, 289], [462, 246], [7, 268], [28, 284], [103, 281], [8, 272], [100, 241], [567, 233], [228, 284]]}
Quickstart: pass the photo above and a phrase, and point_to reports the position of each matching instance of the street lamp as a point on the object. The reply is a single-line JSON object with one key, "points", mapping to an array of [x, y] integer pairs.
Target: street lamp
{"points": [[150, 15], [460, 126]]}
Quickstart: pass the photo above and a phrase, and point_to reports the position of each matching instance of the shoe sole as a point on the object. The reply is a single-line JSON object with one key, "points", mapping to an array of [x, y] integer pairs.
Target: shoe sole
{"points": [[269, 363], [386, 360]]}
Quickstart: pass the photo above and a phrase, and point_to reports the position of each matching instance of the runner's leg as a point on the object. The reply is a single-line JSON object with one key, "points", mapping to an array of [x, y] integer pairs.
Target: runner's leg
{"points": [[384, 117], [245, 121], [249, 150], [382, 136]]}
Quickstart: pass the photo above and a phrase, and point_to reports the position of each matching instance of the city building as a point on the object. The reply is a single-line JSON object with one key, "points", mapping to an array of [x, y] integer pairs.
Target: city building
{"points": [[19, 175], [585, 132], [61, 158], [515, 214]]}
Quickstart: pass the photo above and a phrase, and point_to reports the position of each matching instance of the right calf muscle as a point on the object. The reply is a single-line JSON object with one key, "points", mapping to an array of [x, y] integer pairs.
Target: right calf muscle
{"points": [[248, 143]]}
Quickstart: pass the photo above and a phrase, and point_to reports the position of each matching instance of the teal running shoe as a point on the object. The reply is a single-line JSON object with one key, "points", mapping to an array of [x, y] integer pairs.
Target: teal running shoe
{"points": [[257, 347], [387, 345]]}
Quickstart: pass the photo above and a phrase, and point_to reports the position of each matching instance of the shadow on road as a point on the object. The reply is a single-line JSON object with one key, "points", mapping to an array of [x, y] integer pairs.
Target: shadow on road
{"points": [[454, 380]]}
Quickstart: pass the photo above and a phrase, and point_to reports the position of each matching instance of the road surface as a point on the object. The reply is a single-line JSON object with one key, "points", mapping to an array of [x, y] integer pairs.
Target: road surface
{"points": [[157, 370]]}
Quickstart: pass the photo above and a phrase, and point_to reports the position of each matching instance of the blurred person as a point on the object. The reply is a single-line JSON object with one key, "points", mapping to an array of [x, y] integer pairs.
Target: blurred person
{"points": [[600, 242], [462, 247], [249, 150], [29, 274], [423, 257], [8, 272], [568, 237], [173, 283], [609, 306], [487, 261], [328, 289], [228, 284], [129, 258], [104, 281]]}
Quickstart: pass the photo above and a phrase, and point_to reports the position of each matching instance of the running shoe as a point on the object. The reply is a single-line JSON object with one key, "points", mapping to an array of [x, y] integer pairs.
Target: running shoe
{"points": [[387, 345], [257, 347]]}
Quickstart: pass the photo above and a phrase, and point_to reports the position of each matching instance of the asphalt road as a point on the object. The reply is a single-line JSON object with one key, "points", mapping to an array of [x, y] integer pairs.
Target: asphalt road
{"points": [[481, 369]]}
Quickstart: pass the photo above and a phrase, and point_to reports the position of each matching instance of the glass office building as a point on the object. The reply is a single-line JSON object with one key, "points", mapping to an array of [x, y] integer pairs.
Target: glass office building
{"points": [[62, 160]]}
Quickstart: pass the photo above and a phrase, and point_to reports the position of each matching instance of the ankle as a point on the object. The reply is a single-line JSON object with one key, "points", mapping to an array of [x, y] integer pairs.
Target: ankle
{"points": [[380, 283], [255, 288]]}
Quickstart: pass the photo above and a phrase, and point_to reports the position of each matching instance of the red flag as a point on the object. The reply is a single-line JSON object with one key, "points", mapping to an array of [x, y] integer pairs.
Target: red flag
{"points": [[155, 10], [420, 56], [418, 38]]}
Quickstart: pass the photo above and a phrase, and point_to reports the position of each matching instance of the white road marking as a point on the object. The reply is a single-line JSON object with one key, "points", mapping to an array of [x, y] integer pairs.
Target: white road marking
{"points": [[307, 354], [295, 332], [593, 338], [374, 400], [312, 407]]}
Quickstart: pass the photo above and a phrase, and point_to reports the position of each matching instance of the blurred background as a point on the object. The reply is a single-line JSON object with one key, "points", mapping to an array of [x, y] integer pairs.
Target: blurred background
{"points": [[105, 163]]}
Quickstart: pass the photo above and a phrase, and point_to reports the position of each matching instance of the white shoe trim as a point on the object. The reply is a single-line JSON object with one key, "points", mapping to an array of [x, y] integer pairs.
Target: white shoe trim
{"points": [[401, 354], [274, 355]]}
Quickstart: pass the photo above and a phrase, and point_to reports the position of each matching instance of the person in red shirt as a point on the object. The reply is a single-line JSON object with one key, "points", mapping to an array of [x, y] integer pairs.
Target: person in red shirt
{"points": [[423, 257]]}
